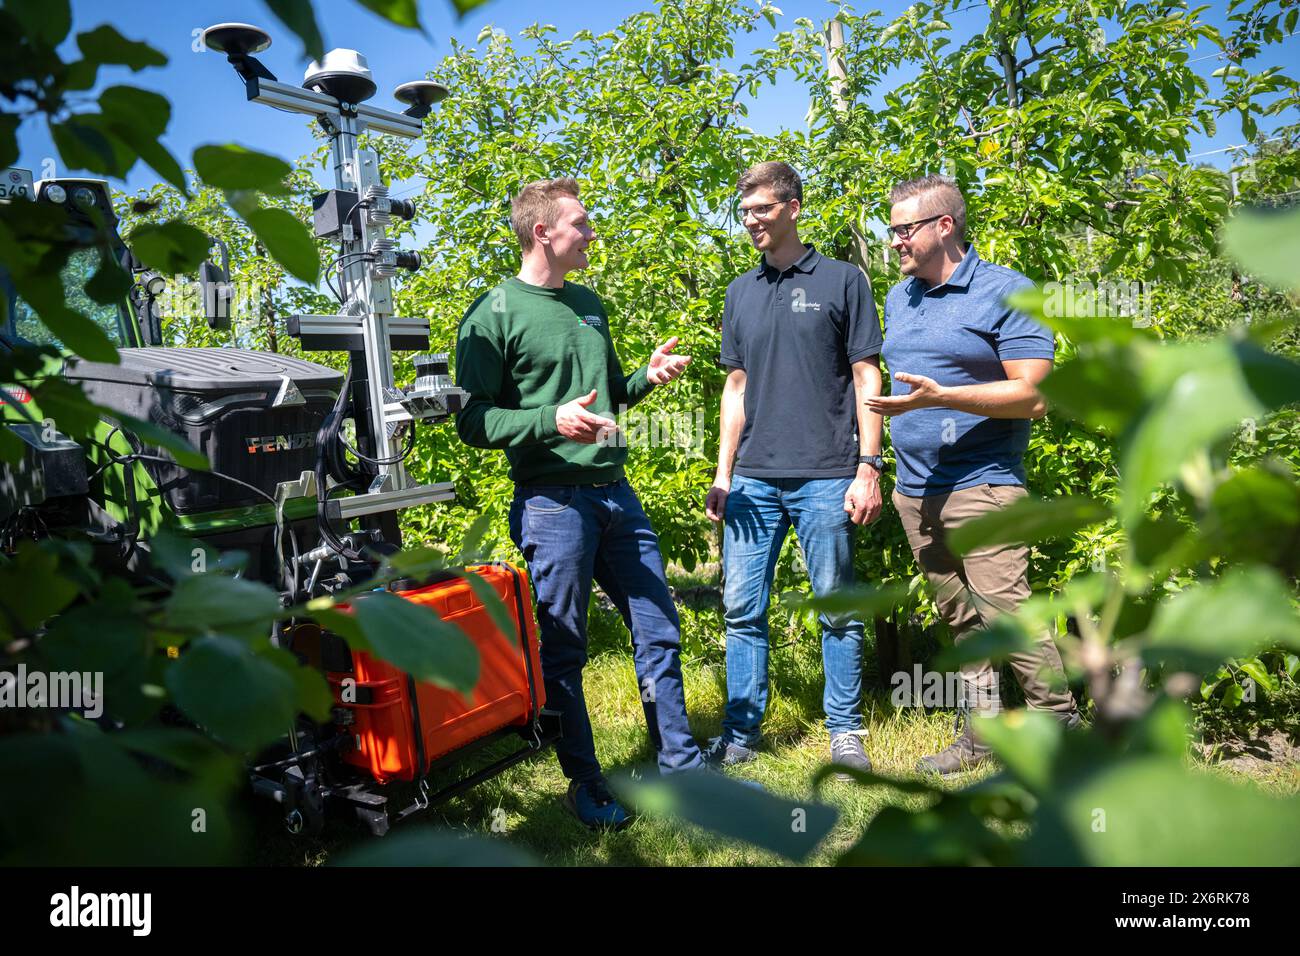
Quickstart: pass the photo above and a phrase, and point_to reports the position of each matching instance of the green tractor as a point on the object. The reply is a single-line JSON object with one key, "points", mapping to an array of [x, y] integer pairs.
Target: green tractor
{"points": [[254, 415], [309, 513]]}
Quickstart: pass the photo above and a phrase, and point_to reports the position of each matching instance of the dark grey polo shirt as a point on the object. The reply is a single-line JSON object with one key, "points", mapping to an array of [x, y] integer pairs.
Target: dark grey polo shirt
{"points": [[797, 334]]}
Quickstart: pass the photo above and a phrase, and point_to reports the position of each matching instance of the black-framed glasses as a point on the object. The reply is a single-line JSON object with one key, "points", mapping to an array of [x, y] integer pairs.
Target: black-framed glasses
{"points": [[904, 230], [759, 212]]}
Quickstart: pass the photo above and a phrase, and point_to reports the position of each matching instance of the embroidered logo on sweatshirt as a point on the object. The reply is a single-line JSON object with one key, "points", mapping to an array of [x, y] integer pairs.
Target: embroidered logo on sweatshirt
{"points": [[594, 321]]}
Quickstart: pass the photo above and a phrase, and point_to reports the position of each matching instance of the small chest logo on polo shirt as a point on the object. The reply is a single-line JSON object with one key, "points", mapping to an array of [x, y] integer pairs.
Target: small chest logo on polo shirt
{"points": [[594, 321], [799, 302]]}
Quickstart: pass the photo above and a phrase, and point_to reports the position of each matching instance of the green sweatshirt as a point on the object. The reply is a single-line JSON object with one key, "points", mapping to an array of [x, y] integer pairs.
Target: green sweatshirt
{"points": [[523, 351]]}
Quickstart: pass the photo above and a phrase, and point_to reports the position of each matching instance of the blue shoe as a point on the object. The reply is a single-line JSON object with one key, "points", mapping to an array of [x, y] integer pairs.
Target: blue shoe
{"points": [[725, 753], [595, 807]]}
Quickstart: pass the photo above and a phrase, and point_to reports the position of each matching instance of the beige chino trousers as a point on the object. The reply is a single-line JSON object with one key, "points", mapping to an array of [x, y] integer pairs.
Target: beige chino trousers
{"points": [[972, 590]]}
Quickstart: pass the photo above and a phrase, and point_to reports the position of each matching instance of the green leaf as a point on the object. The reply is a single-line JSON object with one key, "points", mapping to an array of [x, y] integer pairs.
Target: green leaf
{"points": [[1097, 388], [43, 21], [999, 641], [1200, 395], [1027, 521], [32, 587], [414, 639], [1150, 811], [172, 248], [1266, 245], [1026, 741], [786, 827], [84, 142], [434, 848], [110, 283], [105, 45], [950, 833], [65, 402], [465, 6], [79, 334], [185, 454], [492, 603], [9, 139], [139, 118], [471, 545], [211, 602], [301, 19], [314, 697], [863, 600], [11, 446], [1057, 311], [288, 242], [1254, 516], [235, 694], [1238, 615], [405, 13], [1254, 668], [231, 166], [1291, 664]]}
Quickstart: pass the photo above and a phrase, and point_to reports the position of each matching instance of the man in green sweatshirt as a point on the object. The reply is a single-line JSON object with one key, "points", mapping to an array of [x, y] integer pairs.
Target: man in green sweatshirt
{"points": [[536, 357]]}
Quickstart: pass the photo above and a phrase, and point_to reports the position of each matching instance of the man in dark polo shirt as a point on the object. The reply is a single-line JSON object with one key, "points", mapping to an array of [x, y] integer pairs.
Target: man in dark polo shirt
{"points": [[801, 337], [536, 356], [965, 369]]}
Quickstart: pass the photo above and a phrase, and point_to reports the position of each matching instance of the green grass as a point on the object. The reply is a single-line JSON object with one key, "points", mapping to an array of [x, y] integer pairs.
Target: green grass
{"points": [[525, 804]]}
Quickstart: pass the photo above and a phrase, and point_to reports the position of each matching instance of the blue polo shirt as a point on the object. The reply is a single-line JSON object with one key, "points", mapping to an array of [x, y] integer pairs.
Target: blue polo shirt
{"points": [[797, 333], [959, 333]]}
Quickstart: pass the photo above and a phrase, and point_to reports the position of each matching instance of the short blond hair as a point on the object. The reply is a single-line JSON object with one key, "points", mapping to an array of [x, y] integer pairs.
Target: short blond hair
{"points": [[777, 176], [537, 202], [942, 198]]}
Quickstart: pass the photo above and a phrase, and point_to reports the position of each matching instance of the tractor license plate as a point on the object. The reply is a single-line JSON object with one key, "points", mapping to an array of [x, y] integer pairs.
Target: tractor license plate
{"points": [[16, 184]]}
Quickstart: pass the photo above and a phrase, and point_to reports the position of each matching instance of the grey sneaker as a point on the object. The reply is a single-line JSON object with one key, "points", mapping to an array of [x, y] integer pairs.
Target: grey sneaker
{"points": [[964, 753], [725, 753], [847, 750]]}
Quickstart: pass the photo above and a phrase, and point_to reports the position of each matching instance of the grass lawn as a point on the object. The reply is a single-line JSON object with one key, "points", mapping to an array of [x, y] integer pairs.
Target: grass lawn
{"points": [[525, 804]]}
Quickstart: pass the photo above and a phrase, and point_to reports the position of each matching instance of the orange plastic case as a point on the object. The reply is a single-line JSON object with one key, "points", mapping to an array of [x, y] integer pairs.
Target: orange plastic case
{"points": [[509, 691]]}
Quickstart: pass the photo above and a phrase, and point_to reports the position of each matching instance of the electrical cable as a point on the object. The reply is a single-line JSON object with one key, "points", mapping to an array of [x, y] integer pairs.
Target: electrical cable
{"points": [[325, 439], [407, 448], [115, 459]]}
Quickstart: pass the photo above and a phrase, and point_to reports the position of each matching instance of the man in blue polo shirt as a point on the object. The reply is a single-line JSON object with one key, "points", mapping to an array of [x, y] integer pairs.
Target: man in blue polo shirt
{"points": [[965, 369], [801, 338]]}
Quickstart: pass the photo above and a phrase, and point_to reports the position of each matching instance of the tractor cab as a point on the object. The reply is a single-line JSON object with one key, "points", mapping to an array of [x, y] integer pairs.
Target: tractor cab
{"points": [[132, 321]]}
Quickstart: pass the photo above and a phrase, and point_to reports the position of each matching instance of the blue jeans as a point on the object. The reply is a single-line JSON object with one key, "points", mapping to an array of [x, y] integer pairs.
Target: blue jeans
{"points": [[758, 515], [570, 535]]}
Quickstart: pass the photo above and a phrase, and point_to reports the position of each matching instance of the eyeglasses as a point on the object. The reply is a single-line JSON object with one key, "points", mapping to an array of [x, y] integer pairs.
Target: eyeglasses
{"points": [[904, 230], [760, 212]]}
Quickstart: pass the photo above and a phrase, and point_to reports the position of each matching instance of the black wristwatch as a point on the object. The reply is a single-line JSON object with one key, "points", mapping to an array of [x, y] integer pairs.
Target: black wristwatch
{"points": [[875, 461]]}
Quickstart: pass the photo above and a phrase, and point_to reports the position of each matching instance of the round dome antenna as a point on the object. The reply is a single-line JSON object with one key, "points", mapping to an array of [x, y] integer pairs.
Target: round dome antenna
{"points": [[342, 74], [236, 39], [420, 96]]}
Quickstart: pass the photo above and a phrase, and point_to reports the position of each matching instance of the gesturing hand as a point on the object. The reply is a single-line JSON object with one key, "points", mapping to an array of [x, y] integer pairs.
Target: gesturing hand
{"points": [[577, 424], [925, 393], [664, 367]]}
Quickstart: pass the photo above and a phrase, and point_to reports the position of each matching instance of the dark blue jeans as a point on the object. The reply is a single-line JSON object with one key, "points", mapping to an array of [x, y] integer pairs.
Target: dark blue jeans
{"points": [[758, 516], [570, 535]]}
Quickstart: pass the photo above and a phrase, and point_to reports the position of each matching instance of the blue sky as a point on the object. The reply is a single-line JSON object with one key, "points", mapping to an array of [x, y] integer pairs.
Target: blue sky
{"points": [[208, 104]]}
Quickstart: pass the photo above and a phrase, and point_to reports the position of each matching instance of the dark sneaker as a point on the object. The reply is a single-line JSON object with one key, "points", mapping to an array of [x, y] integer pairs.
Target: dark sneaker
{"points": [[595, 807], [724, 753], [847, 750], [964, 753], [1073, 720]]}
